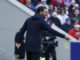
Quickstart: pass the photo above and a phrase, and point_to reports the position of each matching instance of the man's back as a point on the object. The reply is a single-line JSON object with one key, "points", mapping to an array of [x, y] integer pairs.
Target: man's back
{"points": [[34, 34]]}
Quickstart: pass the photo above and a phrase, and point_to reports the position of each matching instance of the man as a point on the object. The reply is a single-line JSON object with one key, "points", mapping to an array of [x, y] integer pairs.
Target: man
{"points": [[75, 17], [49, 38], [75, 32], [54, 20], [43, 3], [51, 8], [67, 26], [34, 27], [30, 5]]}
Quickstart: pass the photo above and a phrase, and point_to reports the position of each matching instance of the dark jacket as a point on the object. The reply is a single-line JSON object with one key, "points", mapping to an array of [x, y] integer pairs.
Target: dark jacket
{"points": [[56, 21], [34, 27], [66, 27]]}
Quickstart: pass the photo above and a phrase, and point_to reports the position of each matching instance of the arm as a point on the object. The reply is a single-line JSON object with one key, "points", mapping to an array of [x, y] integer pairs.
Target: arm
{"points": [[20, 35], [48, 28]]}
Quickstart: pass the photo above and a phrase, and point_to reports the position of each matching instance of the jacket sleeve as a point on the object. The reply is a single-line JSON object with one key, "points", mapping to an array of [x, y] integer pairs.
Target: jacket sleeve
{"points": [[16, 36], [20, 35], [45, 26]]}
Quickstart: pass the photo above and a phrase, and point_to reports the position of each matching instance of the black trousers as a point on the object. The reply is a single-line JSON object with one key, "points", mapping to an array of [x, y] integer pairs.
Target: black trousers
{"points": [[33, 55], [50, 50]]}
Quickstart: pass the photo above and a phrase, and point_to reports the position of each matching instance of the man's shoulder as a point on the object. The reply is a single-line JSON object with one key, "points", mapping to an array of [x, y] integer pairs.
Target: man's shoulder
{"points": [[29, 18]]}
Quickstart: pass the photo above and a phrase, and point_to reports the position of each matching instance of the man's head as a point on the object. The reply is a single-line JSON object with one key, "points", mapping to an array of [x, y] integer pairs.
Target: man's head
{"points": [[43, 2], [77, 26], [54, 14], [66, 8], [68, 21], [51, 6], [73, 2], [42, 11], [28, 1], [76, 12], [76, 6]]}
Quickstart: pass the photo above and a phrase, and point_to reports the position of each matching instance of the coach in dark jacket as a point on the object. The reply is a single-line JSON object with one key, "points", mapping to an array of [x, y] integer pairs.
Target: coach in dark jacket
{"points": [[34, 27]]}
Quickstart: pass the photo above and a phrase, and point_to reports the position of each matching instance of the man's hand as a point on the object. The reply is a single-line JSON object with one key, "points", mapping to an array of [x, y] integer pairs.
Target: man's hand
{"points": [[18, 45], [66, 37]]}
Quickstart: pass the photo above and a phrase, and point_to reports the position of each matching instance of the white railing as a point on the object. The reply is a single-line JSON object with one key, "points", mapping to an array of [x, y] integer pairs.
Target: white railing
{"points": [[22, 7]]}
